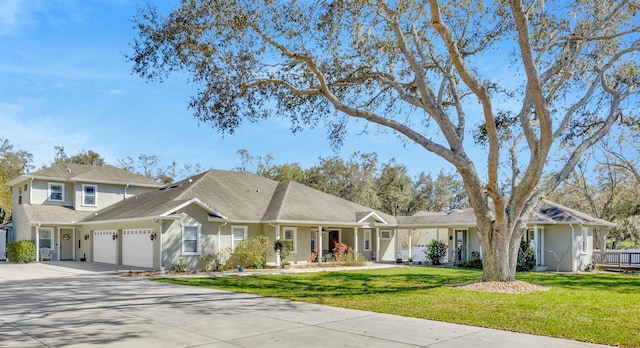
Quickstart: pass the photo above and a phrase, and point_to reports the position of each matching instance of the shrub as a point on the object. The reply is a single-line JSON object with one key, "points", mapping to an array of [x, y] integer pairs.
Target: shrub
{"points": [[179, 266], [285, 246], [339, 251], [474, 262], [23, 251], [352, 258], [213, 262], [526, 257], [436, 250], [250, 253]]}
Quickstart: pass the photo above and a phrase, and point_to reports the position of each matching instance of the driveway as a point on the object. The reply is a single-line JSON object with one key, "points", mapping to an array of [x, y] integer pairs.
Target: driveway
{"points": [[50, 305]]}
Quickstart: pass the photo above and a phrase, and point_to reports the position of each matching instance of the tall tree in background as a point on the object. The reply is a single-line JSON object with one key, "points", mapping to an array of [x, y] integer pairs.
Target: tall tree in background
{"points": [[12, 164], [352, 179], [606, 184], [89, 157], [534, 76], [149, 166]]}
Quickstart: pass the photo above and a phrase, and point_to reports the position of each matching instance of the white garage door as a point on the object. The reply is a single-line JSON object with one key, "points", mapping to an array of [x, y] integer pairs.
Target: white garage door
{"points": [[137, 248], [104, 246]]}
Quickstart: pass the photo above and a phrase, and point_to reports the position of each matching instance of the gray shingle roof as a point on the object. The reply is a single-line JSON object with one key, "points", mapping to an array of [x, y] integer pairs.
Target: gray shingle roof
{"points": [[296, 202], [548, 213], [54, 214], [242, 197], [86, 173]]}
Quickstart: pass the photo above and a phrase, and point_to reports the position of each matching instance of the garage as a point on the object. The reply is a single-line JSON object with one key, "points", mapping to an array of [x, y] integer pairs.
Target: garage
{"points": [[104, 246], [137, 247]]}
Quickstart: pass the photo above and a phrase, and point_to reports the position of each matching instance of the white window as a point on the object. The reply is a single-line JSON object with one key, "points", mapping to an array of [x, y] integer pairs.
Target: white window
{"points": [[89, 194], [385, 234], [313, 240], [367, 240], [56, 192], [45, 238], [190, 240], [238, 234], [291, 233], [584, 245]]}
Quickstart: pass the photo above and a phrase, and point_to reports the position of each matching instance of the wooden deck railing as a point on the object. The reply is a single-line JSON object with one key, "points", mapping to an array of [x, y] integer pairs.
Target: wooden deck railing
{"points": [[618, 259]]}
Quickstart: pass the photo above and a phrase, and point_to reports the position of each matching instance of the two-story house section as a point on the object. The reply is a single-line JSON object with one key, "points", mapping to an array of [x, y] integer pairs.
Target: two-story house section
{"points": [[48, 203]]}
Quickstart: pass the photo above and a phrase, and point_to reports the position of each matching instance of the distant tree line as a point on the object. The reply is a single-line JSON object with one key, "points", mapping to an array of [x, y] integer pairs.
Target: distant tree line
{"points": [[363, 179]]}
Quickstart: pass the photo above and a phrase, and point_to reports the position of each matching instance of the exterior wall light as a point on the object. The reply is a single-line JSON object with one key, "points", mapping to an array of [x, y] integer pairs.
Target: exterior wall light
{"points": [[152, 236], [86, 236]]}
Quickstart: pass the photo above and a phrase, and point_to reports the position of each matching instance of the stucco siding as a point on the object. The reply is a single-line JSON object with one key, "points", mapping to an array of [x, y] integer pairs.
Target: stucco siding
{"points": [[557, 242]]}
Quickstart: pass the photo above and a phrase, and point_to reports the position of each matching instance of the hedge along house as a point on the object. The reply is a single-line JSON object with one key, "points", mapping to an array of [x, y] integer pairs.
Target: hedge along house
{"points": [[105, 214]]}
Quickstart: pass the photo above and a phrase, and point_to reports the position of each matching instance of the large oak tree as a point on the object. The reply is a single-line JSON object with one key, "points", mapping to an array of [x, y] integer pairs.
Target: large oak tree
{"points": [[530, 80]]}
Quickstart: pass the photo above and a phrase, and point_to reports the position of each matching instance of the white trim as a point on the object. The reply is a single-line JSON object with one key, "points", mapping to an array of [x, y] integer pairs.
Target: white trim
{"points": [[313, 239], [51, 238], [194, 201], [389, 236], [61, 193], [84, 195], [294, 231], [584, 246], [245, 235], [198, 228], [375, 216]]}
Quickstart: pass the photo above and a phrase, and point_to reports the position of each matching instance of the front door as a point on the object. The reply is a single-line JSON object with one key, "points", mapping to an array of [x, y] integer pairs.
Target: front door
{"points": [[334, 237], [66, 244], [461, 245]]}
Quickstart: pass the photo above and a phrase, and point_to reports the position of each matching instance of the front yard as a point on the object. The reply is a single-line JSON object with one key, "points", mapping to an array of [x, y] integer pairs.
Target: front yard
{"points": [[595, 307]]}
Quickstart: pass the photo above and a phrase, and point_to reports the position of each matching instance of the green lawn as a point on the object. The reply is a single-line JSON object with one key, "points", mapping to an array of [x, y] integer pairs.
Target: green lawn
{"points": [[596, 307]]}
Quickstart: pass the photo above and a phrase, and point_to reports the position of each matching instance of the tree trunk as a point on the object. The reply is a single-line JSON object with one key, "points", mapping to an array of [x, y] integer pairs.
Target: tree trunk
{"points": [[499, 253]]}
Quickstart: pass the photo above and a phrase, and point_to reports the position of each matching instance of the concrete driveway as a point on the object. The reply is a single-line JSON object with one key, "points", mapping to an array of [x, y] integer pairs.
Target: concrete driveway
{"points": [[50, 305]]}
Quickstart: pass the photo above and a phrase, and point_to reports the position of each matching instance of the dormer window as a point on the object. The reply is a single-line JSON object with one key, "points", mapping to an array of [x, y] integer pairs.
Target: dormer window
{"points": [[89, 193], [56, 192]]}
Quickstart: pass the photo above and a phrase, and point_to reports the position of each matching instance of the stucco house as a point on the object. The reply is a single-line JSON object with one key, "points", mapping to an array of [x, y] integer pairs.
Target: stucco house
{"points": [[562, 238], [105, 214]]}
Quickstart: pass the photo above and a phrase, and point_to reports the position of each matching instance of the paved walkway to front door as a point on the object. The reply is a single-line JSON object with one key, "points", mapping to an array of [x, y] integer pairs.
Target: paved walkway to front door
{"points": [[50, 305]]}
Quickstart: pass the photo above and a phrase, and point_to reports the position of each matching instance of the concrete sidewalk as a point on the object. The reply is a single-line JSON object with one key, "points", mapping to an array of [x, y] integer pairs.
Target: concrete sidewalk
{"points": [[45, 305]]}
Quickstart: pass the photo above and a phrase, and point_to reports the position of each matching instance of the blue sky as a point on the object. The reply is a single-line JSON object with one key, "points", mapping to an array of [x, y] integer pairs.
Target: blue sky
{"points": [[65, 81]]}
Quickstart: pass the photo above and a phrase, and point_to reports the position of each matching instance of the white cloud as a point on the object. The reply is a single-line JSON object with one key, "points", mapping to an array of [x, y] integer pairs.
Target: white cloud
{"points": [[10, 12]]}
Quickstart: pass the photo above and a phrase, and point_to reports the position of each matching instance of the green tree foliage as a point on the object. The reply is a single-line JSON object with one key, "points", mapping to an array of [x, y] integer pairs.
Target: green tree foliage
{"points": [[12, 164], [363, 180], [87, 157], [519, 77], [353, 179]]}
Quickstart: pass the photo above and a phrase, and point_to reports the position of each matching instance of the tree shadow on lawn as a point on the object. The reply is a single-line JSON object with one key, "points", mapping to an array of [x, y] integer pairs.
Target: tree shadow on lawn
{"points": [[331, 284], [585, 281]]}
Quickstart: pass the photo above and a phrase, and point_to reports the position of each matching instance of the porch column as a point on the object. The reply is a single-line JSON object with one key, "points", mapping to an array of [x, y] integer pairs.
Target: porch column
{"points": [[536, 244], [396, 236], [38, 243], [377, 244], [319, 244], [542, 247], [278, 251], [73, 249], [57, 243], [410, 245], [355, 239]]}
